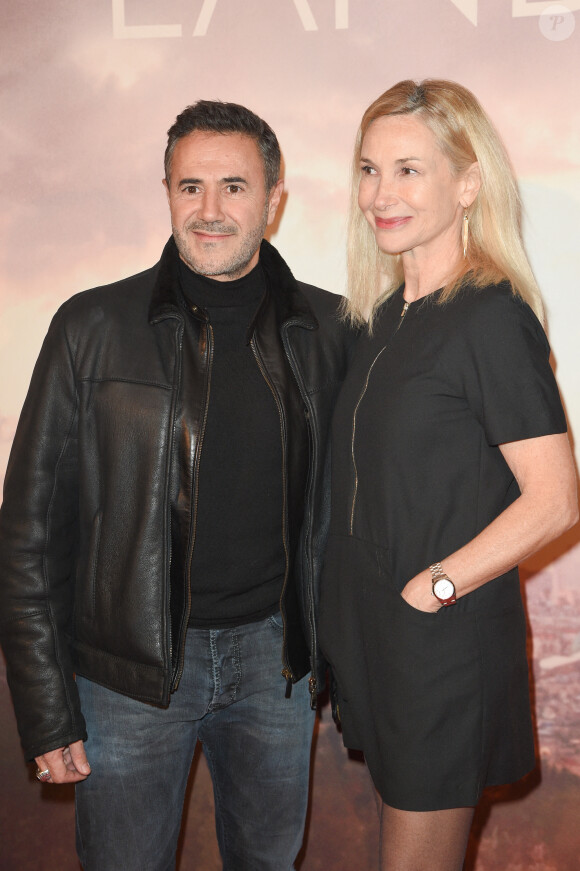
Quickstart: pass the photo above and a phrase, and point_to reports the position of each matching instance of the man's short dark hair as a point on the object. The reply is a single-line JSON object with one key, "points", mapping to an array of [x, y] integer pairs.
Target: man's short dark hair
{"points": [[213, 116]]}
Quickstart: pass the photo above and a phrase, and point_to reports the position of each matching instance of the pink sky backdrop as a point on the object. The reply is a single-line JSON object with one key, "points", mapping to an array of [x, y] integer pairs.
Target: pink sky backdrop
{"points": [[85, 116], [84, 121]]}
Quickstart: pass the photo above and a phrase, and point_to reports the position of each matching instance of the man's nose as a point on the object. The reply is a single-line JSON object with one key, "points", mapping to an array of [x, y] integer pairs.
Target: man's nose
{"points": [[210, 207]]}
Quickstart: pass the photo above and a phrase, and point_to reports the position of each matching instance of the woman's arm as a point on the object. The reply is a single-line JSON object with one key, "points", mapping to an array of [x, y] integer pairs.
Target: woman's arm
{"points": [[547, 507]]}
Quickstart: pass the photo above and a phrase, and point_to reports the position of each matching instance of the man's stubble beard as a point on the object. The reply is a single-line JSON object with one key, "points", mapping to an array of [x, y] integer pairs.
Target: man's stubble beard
{"points": [[233, 267]]}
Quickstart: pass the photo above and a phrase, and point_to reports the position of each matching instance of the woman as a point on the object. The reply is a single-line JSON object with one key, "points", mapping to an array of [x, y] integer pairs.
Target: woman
{"points": [[450, 465]]}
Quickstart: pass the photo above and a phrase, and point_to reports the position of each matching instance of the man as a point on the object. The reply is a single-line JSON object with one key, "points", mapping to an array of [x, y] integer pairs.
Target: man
{"points": [[163, 520]]}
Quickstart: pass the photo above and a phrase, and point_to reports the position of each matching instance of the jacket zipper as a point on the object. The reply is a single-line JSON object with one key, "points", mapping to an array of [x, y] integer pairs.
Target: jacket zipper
{"points": [[312, 683], [167, 478], [353, 434], [286, 671], [194, 480]]}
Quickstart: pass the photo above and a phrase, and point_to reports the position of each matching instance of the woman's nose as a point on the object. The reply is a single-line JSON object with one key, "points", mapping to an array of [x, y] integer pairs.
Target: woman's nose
{"points": [[385, 195]]}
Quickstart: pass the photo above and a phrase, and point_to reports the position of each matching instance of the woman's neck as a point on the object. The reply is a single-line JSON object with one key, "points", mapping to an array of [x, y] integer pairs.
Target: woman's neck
{"points": [[426, 272]]}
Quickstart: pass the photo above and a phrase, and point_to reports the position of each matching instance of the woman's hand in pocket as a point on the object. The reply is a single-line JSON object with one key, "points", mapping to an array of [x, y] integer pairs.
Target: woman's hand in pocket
{"points": [[418, 593]]}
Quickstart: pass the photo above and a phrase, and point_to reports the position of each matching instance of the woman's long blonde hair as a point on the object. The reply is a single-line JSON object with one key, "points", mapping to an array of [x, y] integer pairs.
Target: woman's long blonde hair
{"points": [[495, 250]]}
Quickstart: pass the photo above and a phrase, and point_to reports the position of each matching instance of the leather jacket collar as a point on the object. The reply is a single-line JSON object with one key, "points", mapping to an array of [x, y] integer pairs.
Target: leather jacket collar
{"points": [[290, 303]]}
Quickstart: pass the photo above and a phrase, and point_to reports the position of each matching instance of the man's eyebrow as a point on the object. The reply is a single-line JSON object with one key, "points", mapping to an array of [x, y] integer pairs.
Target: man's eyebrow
{"points": [[231, 179]]}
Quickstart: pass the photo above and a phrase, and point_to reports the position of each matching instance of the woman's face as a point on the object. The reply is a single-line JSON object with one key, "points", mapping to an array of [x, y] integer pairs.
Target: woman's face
{"points": [[407, 191]]}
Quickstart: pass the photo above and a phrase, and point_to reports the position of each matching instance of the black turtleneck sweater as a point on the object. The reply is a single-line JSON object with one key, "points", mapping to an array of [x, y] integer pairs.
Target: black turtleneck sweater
{"points": [[238, 559]]}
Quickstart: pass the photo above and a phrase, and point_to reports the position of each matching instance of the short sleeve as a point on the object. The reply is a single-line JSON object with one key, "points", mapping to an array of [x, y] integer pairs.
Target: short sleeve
{"points": [[505, 369]]}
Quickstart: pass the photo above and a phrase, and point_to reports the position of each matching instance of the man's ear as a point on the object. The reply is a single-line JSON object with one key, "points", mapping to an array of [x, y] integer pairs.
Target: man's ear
{"points": [[274, 198]]}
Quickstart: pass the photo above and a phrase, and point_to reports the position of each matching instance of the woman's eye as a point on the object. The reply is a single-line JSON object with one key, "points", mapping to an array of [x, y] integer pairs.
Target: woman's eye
{"points": [[367, 170]]}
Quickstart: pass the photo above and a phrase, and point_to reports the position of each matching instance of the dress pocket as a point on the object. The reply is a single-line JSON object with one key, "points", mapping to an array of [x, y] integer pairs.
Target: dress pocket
{"points": [[427, 663], [410, 678], [400, 604]]}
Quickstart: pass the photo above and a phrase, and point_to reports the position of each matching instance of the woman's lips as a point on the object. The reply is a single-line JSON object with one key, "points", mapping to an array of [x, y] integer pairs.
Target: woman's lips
{"points": [[391, 223]]}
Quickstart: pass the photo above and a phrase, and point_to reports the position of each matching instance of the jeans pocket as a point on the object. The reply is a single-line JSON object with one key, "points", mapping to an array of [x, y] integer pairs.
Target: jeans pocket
{"points": [[277, 621]]}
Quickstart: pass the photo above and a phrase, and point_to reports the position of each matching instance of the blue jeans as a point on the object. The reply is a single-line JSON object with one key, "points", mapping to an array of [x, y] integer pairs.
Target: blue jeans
{"points": [[256, 742]]}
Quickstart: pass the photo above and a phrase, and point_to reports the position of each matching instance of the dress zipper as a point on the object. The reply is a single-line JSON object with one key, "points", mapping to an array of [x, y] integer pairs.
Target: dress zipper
{"points": [[360, 399]]}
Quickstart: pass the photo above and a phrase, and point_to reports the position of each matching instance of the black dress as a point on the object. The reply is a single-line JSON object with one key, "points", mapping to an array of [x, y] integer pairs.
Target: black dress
{"points": [[438, 703]]}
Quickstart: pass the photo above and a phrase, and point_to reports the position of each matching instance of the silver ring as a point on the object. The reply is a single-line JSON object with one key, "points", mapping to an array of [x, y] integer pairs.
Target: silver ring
{"points": [[43, 776]]}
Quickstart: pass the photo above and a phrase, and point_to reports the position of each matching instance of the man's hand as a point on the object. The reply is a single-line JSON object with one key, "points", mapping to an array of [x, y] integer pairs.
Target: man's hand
{"points": [[66, 765]]}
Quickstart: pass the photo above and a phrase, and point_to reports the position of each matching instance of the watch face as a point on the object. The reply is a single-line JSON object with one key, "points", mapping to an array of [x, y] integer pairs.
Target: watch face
{"points": [[443, 588]]}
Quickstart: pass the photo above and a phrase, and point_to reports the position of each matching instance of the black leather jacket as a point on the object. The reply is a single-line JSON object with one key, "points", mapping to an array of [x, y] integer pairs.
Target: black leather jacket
{"points": [[98, 521]]}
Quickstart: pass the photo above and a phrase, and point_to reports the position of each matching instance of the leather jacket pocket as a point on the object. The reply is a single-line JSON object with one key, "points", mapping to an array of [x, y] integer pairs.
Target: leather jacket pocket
{"points": [[93, 562]]}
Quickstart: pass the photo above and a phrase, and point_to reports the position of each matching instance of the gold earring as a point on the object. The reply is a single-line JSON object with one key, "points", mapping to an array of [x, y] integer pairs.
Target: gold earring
{"points": [[465, 234]]}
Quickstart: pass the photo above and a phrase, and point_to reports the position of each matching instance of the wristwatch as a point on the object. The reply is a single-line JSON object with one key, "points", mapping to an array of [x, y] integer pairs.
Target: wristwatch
{"points": [[442, 586]]}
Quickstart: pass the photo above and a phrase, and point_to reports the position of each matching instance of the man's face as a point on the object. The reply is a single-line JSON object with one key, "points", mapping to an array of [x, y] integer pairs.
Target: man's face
{"points": [[218, 203]]}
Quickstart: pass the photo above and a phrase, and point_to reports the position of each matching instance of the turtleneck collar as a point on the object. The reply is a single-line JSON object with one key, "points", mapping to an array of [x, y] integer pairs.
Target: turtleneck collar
{"points": [[209, 293]]}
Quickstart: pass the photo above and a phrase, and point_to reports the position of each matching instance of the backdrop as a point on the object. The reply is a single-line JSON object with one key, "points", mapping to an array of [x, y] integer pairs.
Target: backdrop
{"points": [[89, 91]]}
